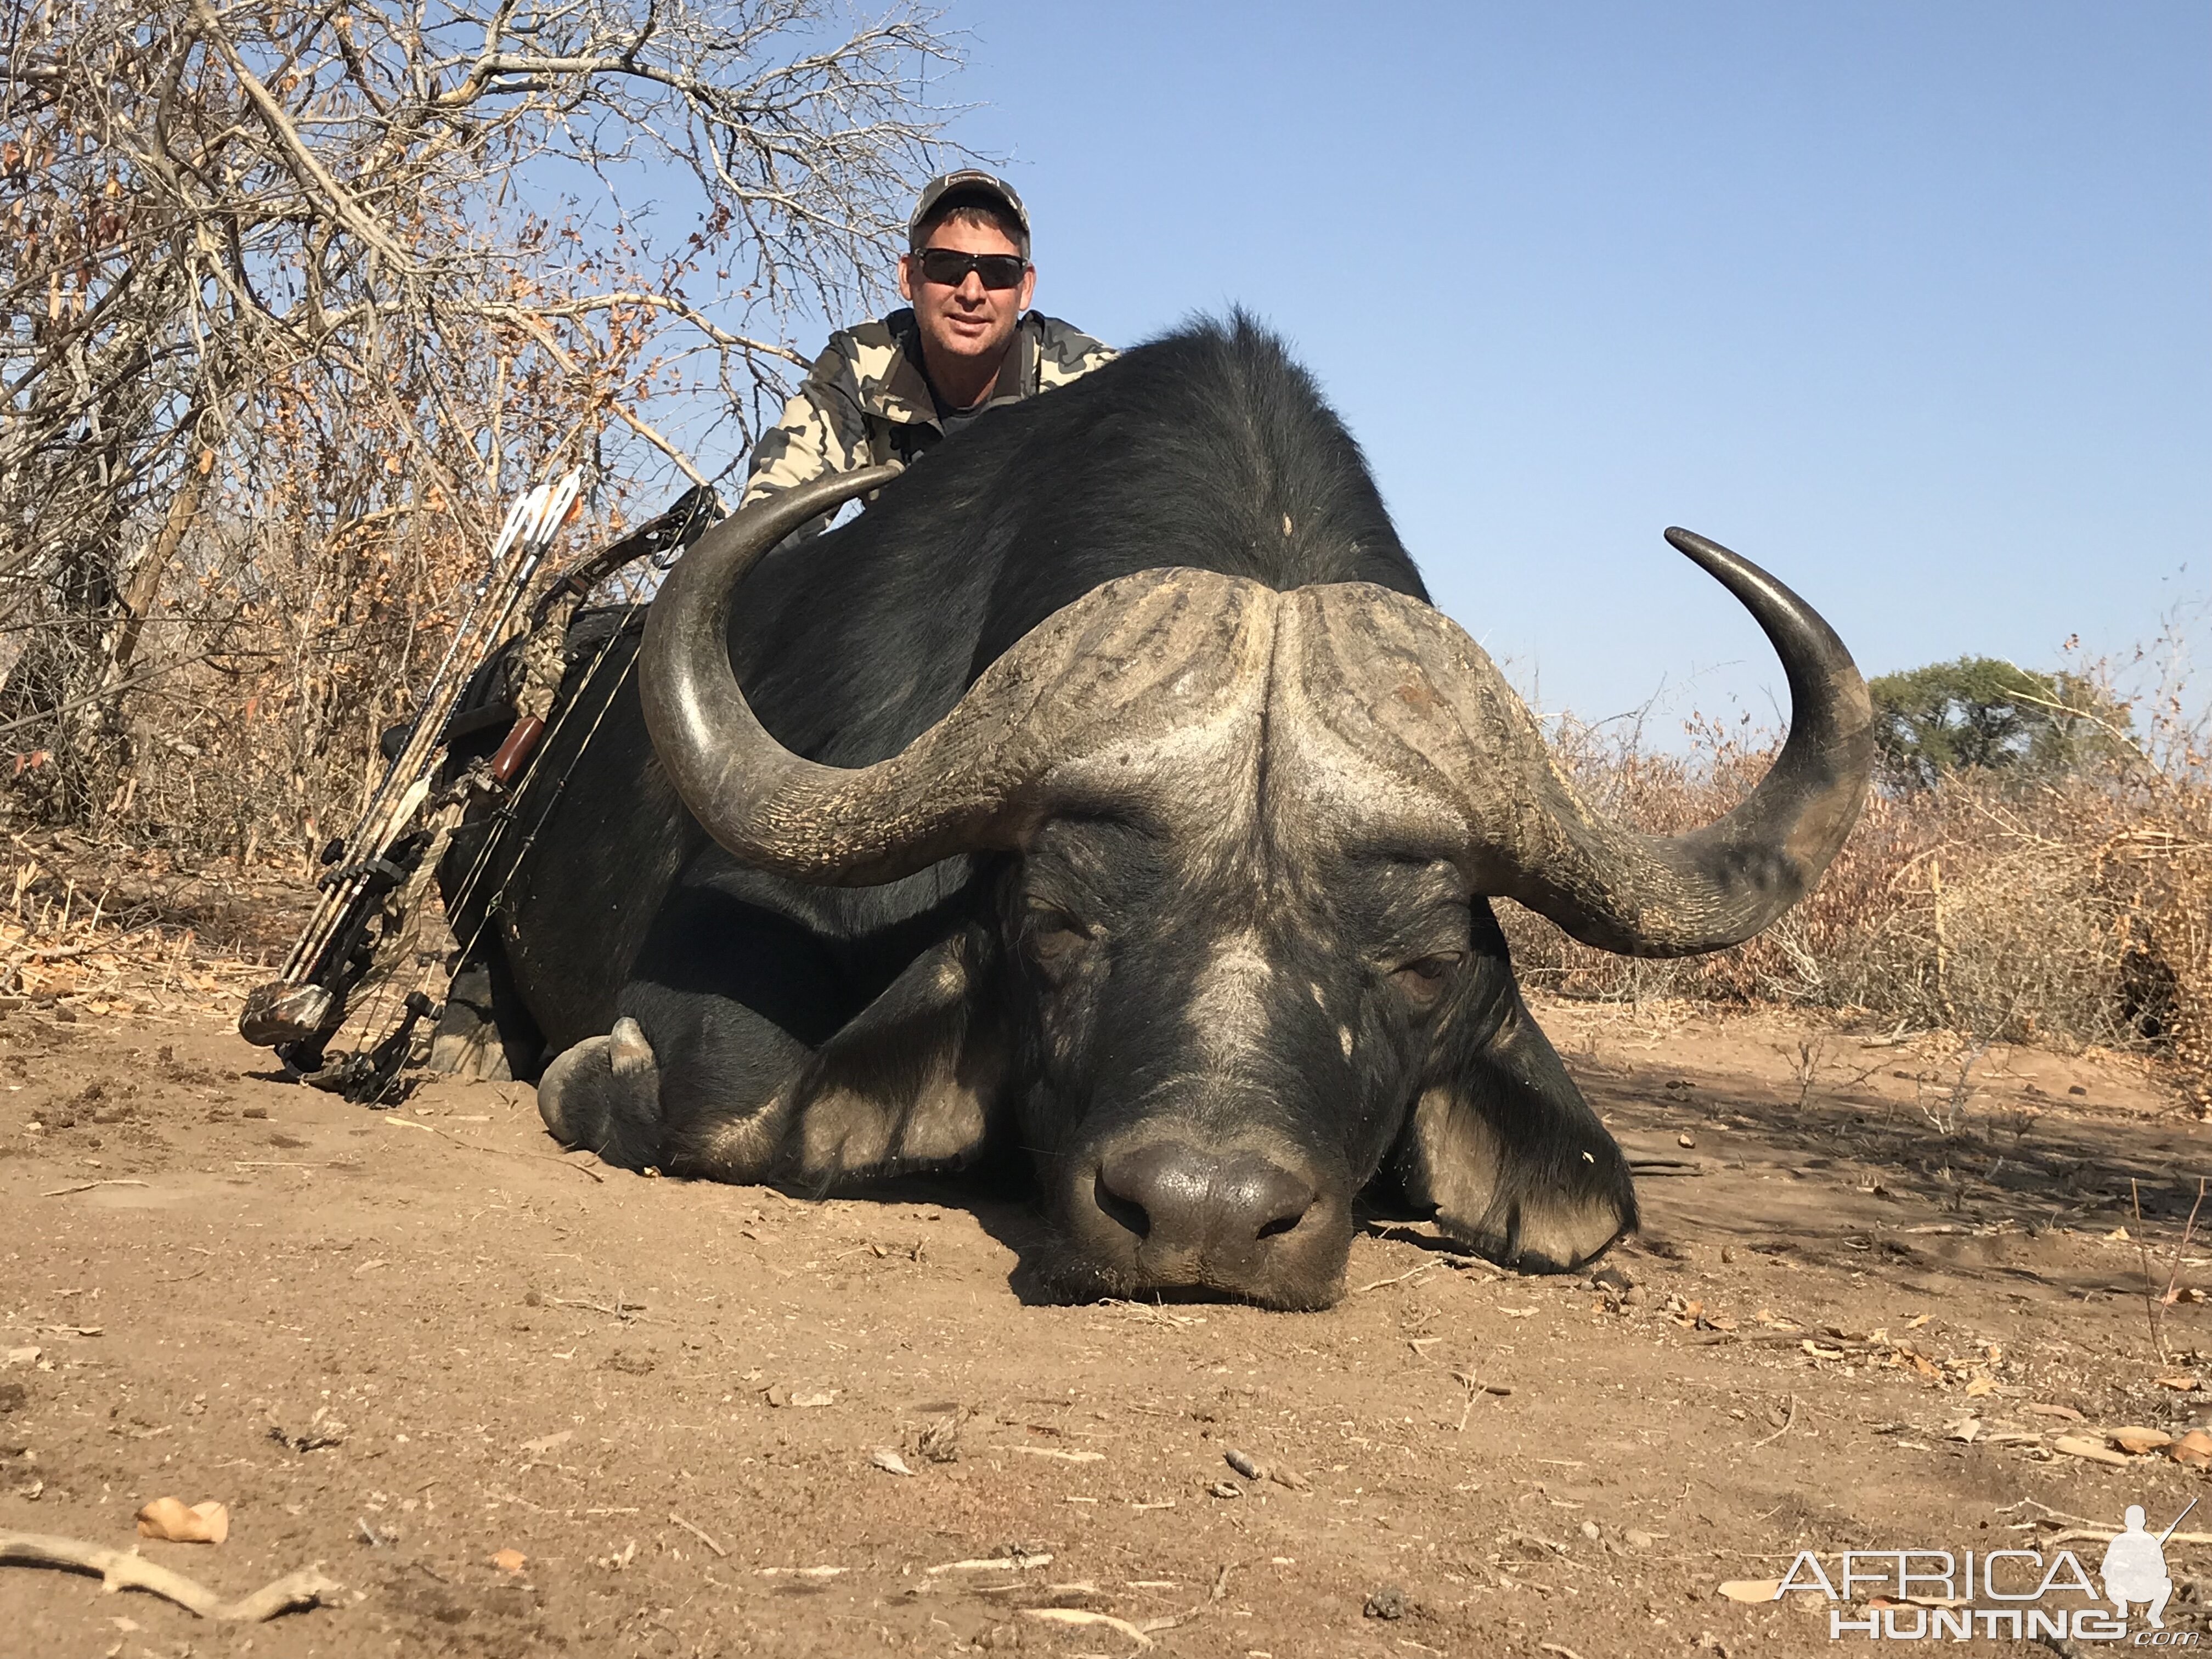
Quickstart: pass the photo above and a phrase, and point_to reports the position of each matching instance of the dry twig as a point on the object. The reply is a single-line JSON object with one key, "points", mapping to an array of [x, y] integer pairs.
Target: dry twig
{"points": [[503, 1152], [1788, 1421], [696, 1534], [120, 1570]]}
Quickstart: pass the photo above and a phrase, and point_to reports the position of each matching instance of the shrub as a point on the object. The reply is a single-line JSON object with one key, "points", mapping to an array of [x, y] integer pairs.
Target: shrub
{"points": [[2070, 909]]}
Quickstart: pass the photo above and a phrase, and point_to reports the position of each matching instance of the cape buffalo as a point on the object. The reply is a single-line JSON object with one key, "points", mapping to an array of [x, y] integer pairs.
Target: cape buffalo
{"points": [[1108, 790]]}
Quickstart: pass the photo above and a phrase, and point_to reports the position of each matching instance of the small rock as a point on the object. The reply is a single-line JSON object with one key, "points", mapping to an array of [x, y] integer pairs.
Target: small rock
{"points": [[1613, 1279], [1589, 1531], [2077, 1089], [1637, 1539], [258, 1113], [1225, 1489], [1388, 1602]]}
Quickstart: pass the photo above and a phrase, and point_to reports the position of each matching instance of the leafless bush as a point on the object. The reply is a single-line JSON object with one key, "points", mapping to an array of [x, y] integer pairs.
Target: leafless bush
{"points": [[297, 298], [2070, 911]]}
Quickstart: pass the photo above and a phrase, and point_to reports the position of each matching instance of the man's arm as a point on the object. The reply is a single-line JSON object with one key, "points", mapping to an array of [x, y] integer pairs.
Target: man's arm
{"points": [[820, 433]]}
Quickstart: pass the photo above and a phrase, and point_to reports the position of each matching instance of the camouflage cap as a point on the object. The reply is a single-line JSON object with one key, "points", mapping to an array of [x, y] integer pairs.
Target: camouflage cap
{"points": [[970, 183]]}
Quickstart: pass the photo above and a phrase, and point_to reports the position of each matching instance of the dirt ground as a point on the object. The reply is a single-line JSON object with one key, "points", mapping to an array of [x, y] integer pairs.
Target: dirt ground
{"points": [[1868, 1300]]}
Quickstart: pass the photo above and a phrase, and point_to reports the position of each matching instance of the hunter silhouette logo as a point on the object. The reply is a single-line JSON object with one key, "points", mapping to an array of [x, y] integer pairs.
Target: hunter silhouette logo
{"points": [[2135, 1567], [1924, 1595]]}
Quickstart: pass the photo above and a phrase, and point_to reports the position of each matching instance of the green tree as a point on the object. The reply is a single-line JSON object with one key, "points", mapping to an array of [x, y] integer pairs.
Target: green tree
{"points": [[1982, 714]]}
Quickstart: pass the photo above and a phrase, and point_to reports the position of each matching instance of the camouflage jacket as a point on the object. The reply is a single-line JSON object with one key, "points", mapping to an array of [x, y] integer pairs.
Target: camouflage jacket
{"points": [[865, 400]]}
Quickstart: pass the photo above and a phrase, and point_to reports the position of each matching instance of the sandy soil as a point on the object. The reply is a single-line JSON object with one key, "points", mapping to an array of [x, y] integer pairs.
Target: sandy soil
{"points": [[400, 1343]]}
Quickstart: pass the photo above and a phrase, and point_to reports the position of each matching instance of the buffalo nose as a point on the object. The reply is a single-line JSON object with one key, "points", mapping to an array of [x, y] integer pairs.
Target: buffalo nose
{"points": [[1174, 1197]]}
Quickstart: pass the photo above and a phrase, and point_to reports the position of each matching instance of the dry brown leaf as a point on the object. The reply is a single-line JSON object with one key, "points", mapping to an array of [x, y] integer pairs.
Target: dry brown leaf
{"points": [[2067, 1413], [537, 1448], [2193, 1448], [1966, 1429], [1753, 1589], [2132, 1439], [2180, 1384], [2094, 1450], [169, 1518], [510, 1560], [1980, 1386]]}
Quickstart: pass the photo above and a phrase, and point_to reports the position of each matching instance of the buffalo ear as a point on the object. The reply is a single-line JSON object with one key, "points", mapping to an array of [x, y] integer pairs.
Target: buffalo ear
{"points": [[910, 1082], [1502, 1142]]}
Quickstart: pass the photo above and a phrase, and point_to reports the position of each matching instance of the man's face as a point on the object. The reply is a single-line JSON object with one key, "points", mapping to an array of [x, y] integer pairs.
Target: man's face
{"points": [[970, 322]]}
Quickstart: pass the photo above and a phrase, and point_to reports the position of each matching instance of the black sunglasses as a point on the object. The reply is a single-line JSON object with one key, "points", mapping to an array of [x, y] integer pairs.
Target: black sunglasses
{"points": [[944, 265]]}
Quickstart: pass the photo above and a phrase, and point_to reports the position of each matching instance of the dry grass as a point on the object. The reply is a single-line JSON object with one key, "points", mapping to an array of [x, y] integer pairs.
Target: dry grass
{"points": [[2068, 911], [92, 930]]}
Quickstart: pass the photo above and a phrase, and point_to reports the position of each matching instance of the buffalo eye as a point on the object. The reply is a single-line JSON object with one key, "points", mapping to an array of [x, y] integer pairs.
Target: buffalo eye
{"points": [[1053, 935], [1422, 982]]}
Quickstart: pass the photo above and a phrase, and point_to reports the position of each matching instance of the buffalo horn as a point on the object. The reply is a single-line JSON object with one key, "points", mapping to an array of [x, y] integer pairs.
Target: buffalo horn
{"points": [[1117, 672], [1432, 715]]}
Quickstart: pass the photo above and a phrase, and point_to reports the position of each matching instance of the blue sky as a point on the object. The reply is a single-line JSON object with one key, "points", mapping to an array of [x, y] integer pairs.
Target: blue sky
{"points": [[1910, 302]]}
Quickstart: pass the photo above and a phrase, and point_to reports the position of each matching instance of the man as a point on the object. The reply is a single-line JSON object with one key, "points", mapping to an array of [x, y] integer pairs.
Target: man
{"points": [[889, 390]]}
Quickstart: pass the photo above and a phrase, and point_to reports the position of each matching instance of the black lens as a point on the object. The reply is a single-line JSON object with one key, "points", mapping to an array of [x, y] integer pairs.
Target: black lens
{"points": [[945, 266]]}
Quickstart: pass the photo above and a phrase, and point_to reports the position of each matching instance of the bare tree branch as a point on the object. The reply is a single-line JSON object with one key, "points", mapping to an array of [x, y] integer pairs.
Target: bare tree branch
{"points": [[272, 273]]}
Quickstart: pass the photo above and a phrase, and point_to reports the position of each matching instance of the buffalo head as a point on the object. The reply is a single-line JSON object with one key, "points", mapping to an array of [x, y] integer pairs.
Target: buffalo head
{"points": [[1238, 959]]}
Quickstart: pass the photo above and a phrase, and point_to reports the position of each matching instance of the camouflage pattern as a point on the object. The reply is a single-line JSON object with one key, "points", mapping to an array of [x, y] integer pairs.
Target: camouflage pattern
{"points": [[865, 402], [543, 661]]}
